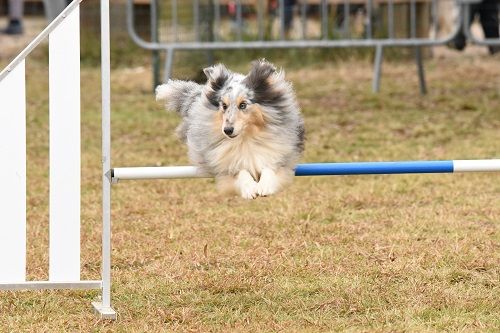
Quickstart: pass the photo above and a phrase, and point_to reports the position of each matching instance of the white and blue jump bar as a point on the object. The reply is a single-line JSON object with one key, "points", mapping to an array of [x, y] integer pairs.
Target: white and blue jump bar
{"points": [[323, 169]]}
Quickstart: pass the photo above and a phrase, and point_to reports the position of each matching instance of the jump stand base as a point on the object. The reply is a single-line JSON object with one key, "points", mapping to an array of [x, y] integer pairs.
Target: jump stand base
{"points": [[105, 312]]}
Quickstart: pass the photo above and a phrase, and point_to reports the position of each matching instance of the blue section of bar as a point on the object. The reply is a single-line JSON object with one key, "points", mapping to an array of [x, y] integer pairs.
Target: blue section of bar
{"points": [[373, 168]]}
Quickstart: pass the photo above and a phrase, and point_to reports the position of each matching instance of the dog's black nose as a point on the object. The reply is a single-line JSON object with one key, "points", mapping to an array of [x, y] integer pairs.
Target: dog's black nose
{"points": [[228, 130]]}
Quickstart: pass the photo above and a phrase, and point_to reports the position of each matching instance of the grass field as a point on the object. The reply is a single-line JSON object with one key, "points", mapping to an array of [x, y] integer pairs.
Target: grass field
{"points": [[413, 253]]}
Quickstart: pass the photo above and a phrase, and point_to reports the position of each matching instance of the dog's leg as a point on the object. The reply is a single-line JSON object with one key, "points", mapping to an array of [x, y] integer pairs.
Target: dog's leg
{"points": [[246, 185], [272, 182]]}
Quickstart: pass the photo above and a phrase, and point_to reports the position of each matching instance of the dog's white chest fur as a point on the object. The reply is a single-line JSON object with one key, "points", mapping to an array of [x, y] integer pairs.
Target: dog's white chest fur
{"points": [[252, 154]]}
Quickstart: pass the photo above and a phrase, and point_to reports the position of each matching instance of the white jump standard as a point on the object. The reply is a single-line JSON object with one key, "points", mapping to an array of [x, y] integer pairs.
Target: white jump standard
{"points": [[64, 81], [64, 109], [64, 84]]}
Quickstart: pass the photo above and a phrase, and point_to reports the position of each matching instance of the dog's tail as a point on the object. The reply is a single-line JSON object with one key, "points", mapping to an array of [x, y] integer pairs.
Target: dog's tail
{"points": [[178, 95]]}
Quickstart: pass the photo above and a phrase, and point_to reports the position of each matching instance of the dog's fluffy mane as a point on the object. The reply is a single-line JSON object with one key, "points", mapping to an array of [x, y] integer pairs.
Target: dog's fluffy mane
{"points": [[278, 143]]}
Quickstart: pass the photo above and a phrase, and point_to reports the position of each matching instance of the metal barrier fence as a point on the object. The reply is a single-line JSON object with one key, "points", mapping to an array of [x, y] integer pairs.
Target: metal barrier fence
{"points": [[331, 26]]}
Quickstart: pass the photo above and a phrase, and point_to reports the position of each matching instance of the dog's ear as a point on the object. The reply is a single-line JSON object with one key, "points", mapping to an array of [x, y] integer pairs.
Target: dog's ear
{"points": [[216, 73], [268, 84], [217, 76], [259, 74]]}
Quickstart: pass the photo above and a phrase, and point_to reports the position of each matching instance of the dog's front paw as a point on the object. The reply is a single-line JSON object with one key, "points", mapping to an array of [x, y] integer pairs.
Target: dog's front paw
{"points": [[249, 190], [246, 185], [268, 184], [267, 187]]}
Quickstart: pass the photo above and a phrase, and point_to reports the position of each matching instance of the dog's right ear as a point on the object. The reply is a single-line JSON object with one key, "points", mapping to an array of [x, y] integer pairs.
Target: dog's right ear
{"points": [[217, 76]]}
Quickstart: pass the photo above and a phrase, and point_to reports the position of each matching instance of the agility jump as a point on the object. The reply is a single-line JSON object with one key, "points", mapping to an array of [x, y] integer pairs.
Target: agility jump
{"points": [[64, 78], [321, 169]]}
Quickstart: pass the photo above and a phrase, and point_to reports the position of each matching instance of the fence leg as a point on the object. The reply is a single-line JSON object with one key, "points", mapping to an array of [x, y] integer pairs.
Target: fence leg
{"points": [[154, 38], [379, 55], [169, 60], [420, 70]]}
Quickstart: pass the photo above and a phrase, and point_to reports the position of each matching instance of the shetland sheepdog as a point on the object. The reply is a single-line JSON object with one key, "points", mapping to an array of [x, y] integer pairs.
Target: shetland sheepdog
{"points": [[245, 130]]}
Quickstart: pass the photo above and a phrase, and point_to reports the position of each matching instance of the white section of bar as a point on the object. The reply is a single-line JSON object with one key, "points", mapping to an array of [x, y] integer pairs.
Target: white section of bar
{"points": [[13, 176], [158, 173], [64, 88], [40, 285], [476, 165]]}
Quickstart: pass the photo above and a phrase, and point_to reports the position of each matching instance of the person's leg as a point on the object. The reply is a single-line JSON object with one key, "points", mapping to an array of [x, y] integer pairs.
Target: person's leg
{"points": [[16, 9], [339, 22], [460, 41], [288, 11], [15, 26], [53, 8], [288, 15], [488, 14]]}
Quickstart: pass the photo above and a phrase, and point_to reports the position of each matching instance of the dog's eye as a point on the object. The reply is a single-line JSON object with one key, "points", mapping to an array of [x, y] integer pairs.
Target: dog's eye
{"points": [[242, 106], [224, 106]]}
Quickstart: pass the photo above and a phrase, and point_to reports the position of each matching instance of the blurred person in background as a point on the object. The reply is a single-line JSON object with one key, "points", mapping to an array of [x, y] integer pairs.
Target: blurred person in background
{"points": [[54, 8], [352, 10], [487, 10], [15, 25], [288, 13], [274, 10]]}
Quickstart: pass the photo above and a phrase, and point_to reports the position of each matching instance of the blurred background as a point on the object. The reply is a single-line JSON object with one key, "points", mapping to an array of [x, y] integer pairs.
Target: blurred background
{"points": [[345, 24]]}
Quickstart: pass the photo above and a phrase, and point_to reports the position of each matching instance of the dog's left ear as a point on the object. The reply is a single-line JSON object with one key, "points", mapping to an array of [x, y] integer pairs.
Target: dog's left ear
{"points": [[268, 85], [259, 75], [217, 72]]}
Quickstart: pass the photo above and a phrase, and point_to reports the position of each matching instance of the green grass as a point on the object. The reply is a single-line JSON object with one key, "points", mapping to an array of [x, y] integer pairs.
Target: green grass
{"points": [[359, 254]]}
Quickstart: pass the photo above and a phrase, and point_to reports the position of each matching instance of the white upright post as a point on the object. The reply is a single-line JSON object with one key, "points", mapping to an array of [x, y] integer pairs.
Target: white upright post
{"points": [[103, 307], [13, 176], [64, 93]]}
